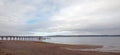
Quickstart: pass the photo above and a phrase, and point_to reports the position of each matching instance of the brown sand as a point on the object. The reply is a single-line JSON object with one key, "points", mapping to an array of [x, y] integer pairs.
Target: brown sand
{"points": [[42, 48]]}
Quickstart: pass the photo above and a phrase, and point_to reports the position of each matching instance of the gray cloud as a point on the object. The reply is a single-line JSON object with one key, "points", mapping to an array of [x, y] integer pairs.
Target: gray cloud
{"points": [[90, 17], [38, 17]]}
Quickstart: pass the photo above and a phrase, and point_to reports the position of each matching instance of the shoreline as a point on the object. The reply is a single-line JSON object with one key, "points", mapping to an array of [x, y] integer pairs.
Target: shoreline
{"points": [[44, 48]]}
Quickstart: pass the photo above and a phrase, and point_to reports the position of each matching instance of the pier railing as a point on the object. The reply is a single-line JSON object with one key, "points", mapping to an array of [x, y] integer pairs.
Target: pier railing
{"points": [[20, 37]]}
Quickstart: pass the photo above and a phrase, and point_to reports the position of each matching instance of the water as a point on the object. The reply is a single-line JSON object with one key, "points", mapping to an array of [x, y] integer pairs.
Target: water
{"points": [[107, 41], [85, 40], [111, 44]]}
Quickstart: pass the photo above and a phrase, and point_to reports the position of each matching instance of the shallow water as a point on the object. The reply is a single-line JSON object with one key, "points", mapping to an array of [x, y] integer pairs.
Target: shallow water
{"points": [[115, 49], [111, 44], [86, 40]]}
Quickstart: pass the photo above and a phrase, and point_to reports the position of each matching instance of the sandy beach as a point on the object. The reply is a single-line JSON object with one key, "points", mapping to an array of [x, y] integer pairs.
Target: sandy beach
{"points": [[43, 48]]}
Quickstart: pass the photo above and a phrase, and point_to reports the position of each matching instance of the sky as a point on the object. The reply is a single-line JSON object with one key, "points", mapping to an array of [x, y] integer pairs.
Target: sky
{"points": [[59, 17]]}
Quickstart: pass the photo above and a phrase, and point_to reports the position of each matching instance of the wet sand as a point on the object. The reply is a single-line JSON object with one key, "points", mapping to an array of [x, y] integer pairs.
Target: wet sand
{"points": [[43, 48]]}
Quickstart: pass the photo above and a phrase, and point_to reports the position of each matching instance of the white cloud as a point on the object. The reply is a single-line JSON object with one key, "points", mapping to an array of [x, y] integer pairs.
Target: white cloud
{"points": [[60, 17], [89, 17], [14, 14]]}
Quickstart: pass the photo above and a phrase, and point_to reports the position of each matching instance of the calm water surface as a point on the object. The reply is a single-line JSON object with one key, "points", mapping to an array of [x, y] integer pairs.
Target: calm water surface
{"points": [[110, 44], [85, 40]]}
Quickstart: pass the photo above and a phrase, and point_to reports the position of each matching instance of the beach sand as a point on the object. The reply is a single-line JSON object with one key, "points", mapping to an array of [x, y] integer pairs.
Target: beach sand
{"points": [[43, 48]]}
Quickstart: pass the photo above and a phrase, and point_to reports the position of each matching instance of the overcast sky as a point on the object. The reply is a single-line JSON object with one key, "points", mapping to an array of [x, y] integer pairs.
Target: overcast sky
{"points": [[56, 17]]}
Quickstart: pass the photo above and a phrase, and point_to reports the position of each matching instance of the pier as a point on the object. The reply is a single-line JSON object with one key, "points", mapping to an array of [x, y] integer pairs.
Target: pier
{"points": [[20, 37]]}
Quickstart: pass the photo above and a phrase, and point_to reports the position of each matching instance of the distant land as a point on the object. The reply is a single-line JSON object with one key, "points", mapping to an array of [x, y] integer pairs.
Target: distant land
{"points": [[84, 36], [67, 36]]}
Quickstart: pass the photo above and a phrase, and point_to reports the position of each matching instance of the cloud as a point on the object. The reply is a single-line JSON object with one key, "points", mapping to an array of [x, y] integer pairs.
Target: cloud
{"points": [[43, 17], [14, 14], [91, 17]]}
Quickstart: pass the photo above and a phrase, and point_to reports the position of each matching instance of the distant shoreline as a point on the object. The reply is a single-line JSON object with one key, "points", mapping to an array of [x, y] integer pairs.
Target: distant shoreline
{"points": [[84, 36], [67, 36]]}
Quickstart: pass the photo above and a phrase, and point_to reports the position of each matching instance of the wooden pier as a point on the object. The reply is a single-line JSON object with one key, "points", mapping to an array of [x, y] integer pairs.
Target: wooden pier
{"points": [[20, 37]]}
